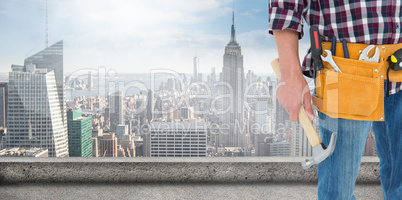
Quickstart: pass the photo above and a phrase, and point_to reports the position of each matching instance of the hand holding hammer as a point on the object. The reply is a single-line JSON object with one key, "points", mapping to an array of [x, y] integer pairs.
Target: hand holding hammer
{"points": [[320, 152]]}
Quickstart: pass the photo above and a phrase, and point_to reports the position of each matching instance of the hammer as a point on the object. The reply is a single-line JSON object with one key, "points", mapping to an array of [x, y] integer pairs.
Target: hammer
{"points": [[320, 152]]}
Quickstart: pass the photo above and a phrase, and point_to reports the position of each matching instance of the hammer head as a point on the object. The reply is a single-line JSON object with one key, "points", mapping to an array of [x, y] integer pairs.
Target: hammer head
{"points": [[320, 153]]}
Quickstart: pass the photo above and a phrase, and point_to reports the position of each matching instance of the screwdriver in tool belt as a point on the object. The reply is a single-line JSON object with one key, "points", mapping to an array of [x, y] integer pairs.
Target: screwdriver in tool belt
{"points": [[316, 48], [345, 48]]}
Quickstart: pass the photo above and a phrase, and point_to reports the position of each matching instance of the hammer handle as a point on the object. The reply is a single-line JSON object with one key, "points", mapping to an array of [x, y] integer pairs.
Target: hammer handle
{"points": [[308, 127]]}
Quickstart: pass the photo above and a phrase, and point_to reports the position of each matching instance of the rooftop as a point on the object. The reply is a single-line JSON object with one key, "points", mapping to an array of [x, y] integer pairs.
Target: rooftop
{"points": [[22, 152]]}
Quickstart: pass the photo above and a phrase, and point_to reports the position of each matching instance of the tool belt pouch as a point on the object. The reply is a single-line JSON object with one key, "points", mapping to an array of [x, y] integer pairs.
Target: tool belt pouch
{"points": [[358, 92]]}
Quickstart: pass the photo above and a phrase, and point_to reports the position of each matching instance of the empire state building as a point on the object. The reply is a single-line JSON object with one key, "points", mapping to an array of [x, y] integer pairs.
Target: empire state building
{"points": [[233, 130]]}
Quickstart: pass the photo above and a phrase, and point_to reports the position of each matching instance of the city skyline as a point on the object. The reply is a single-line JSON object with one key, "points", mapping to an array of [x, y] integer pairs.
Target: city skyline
{"points": [[239, 112], [137, 36]]}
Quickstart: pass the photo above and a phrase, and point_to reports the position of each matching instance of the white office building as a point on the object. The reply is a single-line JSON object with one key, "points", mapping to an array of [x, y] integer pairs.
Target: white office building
{"points": [[178, 139], [35, 117]]}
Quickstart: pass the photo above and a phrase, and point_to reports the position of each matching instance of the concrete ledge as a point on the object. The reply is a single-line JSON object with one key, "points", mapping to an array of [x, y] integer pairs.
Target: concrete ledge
{"points": [[178, 170]]}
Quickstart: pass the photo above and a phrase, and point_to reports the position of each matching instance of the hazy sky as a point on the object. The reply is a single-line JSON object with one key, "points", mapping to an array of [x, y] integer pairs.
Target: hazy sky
{"points": [[137, 35]]}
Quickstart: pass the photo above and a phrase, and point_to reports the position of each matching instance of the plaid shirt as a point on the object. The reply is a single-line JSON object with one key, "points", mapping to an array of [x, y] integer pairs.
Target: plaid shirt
{"points": [[359, 21]]}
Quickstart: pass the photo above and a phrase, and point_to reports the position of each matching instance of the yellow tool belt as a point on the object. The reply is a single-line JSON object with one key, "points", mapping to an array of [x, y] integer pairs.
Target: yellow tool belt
{"points": [[358, 92]]}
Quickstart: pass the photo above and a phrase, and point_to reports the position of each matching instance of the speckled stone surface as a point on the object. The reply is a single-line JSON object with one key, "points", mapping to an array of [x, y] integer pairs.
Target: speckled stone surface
{"points": [[164, 191], [173, 170]]}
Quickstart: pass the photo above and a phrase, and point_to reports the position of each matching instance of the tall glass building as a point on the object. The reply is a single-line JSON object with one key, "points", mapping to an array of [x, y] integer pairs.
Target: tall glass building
{"points": [[51, 59], [36, 114], [79, 134]]}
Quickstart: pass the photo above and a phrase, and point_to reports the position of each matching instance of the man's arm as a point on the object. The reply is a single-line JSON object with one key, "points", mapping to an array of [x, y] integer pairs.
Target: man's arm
{"points": [[293, 89]]}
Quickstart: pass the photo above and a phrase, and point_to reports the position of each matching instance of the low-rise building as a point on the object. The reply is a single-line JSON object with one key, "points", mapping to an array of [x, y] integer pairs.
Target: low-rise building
{"points": [[21, 152]]}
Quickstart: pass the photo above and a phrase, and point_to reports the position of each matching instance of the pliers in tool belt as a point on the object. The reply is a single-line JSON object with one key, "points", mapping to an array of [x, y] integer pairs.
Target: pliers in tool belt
{"points": [[364, 54]]}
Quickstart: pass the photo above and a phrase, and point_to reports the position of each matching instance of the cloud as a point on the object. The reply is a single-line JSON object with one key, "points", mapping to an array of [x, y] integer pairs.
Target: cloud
{"points": [[136, 36], [251, 12], [138, 13], [138, 32], [256, 38], [147, 23]]}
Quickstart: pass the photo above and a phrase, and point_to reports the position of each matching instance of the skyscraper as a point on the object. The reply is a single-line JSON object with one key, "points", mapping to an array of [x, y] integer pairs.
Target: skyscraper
{"points": [[233, 76], [79, 134], [3, 104], [213, 76], [150, 106], [116, 110], [260, 128], [51, 59], [370, 148], [35, 117], [90, 80]]}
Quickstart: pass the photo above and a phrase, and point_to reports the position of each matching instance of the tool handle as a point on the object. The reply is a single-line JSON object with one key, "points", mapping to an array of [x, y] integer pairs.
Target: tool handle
{"points": [[316, 48], [304, 120], [345, 49]]}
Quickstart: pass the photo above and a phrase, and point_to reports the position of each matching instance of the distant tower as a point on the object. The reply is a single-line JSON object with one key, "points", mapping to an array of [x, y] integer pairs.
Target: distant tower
{"points": [[213, 75], [37, 116], [150, 105], [90, 80], [196, 63], [233, 75], [116, 109]]}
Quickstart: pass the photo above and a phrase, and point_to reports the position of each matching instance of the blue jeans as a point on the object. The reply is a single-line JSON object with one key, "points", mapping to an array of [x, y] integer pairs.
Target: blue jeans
{"points": [[337, 174]]}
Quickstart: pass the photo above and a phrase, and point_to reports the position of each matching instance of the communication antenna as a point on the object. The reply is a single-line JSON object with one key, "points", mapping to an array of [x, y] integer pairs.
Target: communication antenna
{"points": [[233, 15], [46, 28]]}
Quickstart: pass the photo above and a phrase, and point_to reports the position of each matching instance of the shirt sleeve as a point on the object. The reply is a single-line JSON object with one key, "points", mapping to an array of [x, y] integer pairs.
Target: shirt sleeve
{"points": [[286, 14]]}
